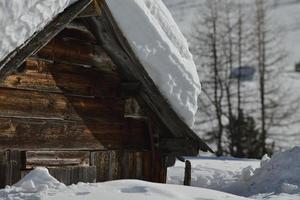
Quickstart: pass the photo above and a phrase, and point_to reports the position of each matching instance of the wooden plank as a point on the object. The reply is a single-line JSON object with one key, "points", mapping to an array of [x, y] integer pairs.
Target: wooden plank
{"points": [[12, 61], [10, 167], [73, 175], [77, 32], [3, 168], [57, 158], [39, 134], [100, 159], [114, 169], [33, 104], [67, 79], [107, 32], [68, 50]]}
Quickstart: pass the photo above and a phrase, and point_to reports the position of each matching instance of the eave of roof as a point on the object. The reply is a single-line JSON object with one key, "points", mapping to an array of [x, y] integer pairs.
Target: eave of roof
{"points": [[107, 32]]}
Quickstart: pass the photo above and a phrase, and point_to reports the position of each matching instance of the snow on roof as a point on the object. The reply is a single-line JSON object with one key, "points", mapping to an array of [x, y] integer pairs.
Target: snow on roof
{"points": [[19, 20], [162, 49], [39, 184]]}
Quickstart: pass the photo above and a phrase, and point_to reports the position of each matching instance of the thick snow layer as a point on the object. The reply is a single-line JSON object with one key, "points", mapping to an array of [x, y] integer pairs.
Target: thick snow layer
{"points": [[19, 20], [39, 185], [162, 49], [274, 179], [280, 174]]}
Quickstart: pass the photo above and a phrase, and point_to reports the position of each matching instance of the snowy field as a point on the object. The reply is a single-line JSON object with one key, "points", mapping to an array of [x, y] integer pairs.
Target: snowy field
{"points": [[277, 178]]}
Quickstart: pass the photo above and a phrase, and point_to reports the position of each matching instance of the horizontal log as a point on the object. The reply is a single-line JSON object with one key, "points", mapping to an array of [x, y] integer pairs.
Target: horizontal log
{"points": [[32, 104], [72, 51], [37, 134], [57, 158], [67, 79], [77, 32]]}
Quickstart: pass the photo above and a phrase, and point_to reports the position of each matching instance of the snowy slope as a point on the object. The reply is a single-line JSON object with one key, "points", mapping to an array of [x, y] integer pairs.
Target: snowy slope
{"points": [[287, 16], [163, 51], [19, 20]]}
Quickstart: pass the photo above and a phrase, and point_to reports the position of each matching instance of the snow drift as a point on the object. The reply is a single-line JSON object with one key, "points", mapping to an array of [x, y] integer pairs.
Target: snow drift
{"points": [[280, 174], [162, 49], [39, 185]]}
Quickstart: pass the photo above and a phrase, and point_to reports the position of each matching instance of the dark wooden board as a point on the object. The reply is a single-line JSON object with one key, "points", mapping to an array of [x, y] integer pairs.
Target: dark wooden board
{"points": [[40, 134], [33, 104], [73, 51], [66, 79]]}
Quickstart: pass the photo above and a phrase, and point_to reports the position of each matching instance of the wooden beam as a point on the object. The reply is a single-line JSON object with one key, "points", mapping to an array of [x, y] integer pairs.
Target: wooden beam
{"points": [[12, 61], [47, 135], [178, 147], [65, 79], [34, 104], [57, 158], [94, 9], [107, 32]]}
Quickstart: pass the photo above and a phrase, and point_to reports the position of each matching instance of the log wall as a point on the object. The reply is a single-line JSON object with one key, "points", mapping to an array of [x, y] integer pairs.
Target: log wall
{"points": [[65, 110]]}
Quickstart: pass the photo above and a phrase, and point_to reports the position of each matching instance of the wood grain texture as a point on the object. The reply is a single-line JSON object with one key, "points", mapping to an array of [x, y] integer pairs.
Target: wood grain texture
{"points": [[41, 134], [69, 50], [65, 79], [34, 104], [57, 158]]}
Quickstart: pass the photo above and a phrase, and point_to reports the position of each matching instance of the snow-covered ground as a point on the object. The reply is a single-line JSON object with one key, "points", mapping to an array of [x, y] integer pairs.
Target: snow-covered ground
{"points": [[39, 185], [212, 178], [275, 178]]}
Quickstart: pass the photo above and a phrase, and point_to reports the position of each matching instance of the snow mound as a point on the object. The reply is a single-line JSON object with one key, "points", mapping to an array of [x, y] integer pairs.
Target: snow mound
{"points": [[38, 177], [34, 186], [280, 174], [19, 20], [162, 49]]}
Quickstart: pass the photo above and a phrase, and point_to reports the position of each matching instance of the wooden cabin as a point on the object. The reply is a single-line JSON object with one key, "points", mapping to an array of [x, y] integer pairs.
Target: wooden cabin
{"points": [[75, 99]]}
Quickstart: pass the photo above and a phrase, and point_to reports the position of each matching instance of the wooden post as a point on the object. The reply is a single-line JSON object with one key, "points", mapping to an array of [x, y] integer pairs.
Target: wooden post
{"points": [[187, 173]]}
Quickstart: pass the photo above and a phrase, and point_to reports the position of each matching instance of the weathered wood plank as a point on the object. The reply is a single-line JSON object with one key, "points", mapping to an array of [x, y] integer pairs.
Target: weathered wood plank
{"points": [[63, 78], [78, 52], [57, 158], [70, 175], [100, 159], [39, 134], [10, 167], [12, 61], [33, 104]]}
